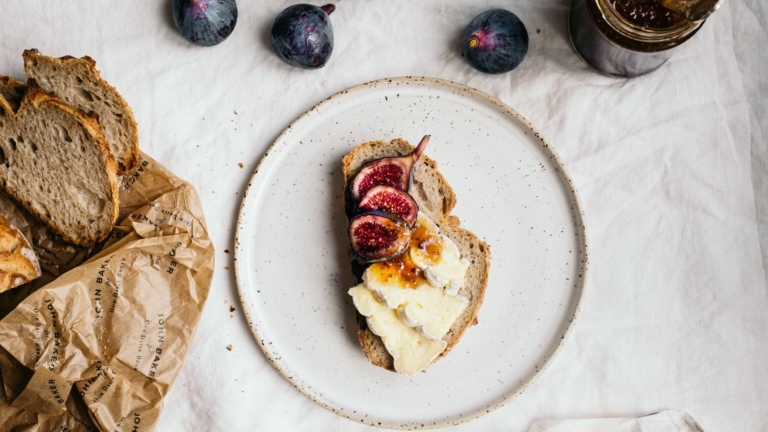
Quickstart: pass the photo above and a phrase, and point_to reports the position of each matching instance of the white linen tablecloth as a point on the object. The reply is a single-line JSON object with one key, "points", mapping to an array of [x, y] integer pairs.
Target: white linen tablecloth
{"points": [[672, 170]]}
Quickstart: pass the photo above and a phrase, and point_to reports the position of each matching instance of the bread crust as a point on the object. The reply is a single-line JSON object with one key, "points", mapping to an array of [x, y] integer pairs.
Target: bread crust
{"points": [[11, 93], [438, 207], [35, 98], [18, 262], [66, 64]]}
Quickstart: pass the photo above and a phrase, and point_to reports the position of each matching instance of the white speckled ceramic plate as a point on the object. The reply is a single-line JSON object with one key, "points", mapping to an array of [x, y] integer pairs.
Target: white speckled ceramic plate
{"points": [[293, 271]]}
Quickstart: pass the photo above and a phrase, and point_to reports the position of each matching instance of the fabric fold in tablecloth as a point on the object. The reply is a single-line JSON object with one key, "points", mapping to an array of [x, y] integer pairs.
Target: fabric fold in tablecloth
{"points": [[665, 421]]}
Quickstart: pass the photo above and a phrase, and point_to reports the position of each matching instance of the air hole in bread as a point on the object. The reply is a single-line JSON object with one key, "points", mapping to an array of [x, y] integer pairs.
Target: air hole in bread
{"points": [[87, 199], [79, 80], [2, 114], [12, 142], [3, 161], [20, 139], [422, 195], [446, 205], [33, 146], [64, 133], [85, 95], [118, 115], [82, 148]]}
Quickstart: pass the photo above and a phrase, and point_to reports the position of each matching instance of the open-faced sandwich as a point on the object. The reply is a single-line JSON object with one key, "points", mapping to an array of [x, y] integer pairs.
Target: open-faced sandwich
{"points": [[421, 278]]}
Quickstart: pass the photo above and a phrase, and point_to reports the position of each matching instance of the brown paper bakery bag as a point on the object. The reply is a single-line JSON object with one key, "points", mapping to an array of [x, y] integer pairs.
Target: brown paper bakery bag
{"points": [[97, 347]]}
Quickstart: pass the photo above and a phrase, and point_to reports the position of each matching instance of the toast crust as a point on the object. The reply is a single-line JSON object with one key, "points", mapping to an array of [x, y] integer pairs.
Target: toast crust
{"points": [[437, 199], [11, 93], [18, 262]]}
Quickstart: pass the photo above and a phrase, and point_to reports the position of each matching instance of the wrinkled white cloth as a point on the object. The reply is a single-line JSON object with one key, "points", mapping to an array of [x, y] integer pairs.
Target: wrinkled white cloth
{"points": [[670, 169], [665, 421]]}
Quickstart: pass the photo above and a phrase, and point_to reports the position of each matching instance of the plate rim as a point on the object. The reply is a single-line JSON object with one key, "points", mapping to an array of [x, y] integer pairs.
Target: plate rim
{"points": [[580, 225]]}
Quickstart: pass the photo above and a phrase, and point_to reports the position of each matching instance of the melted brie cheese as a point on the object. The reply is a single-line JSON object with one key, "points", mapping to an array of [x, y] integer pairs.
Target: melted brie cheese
{"points": [[412, 351], [437, 256], [430, 310], [450, 268]]}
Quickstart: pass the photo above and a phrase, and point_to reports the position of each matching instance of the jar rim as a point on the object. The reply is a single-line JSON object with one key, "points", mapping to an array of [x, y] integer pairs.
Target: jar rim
{"points": [[630, 30]]}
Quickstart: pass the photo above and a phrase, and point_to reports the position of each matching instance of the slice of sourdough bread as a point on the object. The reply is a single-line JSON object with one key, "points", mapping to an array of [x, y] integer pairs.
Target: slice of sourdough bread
{"points": [[55, 162], [436, 199], [77, 82]]}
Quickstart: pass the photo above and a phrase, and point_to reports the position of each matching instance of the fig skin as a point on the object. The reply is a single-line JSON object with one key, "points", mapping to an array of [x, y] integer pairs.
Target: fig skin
{"points": [[378, 236], [391, 200], [495, 41], [302, 35], [396, 172], [205, 22]]}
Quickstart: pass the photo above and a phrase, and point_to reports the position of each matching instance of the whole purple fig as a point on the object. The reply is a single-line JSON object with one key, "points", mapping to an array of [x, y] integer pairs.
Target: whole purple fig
{"points": [[205, 22], [495, 42], [302, 35]]}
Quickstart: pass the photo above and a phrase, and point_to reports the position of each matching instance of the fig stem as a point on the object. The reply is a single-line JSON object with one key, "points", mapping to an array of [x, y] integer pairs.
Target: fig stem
{"points": [[329, 8], [421, 147]]}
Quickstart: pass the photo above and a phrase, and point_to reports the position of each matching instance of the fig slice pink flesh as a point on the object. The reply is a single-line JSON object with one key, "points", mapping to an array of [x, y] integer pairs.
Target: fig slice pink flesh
{"points": [[390, 200], [378, 236], [390, 171]]}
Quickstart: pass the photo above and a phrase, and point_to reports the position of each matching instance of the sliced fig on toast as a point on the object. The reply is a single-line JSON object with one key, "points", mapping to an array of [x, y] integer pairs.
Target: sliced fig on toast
{"points": [[378, 236], [396, 172], [390, 200]]}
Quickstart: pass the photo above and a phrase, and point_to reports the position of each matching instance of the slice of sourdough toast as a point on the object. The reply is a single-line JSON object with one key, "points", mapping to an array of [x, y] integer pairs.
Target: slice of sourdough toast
{"points": [[436, 199], [55, 162], [77, 82]]}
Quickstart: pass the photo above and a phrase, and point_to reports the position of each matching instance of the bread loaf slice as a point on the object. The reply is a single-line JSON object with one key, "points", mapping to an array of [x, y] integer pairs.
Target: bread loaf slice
{"points": [[18, 262], [77, 82], [436, 199], [55, 162]]}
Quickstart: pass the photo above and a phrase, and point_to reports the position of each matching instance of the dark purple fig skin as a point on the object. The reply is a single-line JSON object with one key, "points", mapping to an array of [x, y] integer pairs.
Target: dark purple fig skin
{"points": [[205, 22], [378, 236], [302, 35], [390, 200], [495, 42], [396, 172]]}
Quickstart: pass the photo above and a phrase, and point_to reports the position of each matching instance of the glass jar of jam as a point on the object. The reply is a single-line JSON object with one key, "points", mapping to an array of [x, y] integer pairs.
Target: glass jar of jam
{"points": [[627, 38]]}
